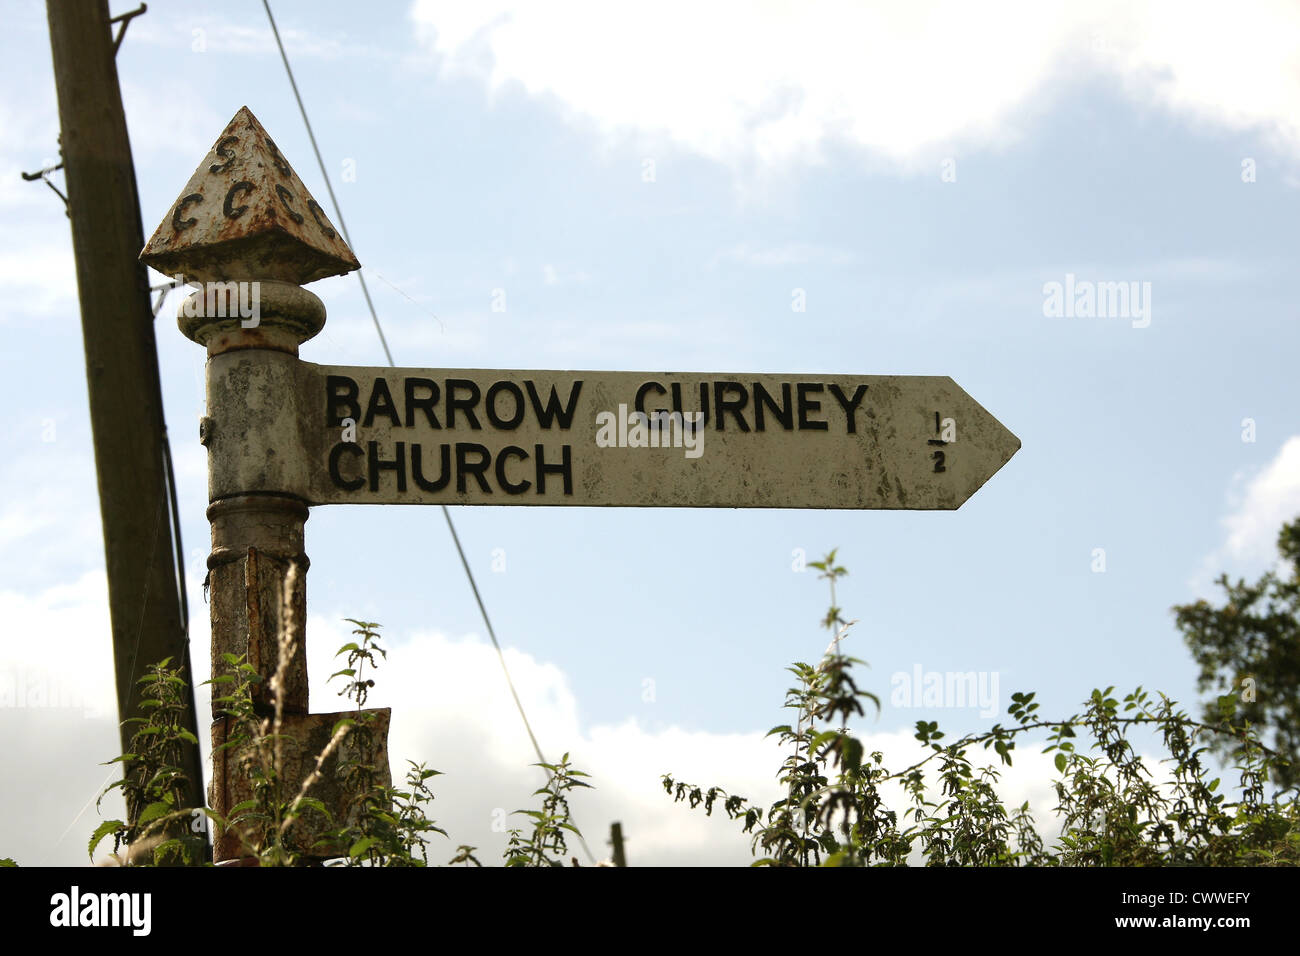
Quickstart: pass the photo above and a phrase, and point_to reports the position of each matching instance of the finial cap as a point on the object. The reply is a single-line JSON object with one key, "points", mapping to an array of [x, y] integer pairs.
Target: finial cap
{"points": [[246, 215]]}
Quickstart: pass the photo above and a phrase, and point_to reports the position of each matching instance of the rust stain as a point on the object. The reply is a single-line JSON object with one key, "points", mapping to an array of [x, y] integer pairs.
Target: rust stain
{"points": [[254, 603], [245, 214]]}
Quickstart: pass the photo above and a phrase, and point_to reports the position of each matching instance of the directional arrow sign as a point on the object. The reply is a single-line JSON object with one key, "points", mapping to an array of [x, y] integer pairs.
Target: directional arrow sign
{"points": [[630, 439]]}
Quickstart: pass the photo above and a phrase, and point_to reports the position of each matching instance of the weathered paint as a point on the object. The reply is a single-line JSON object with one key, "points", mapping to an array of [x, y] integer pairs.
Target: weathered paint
{"points": [[428, 436], [255, 599], [245, 214]]}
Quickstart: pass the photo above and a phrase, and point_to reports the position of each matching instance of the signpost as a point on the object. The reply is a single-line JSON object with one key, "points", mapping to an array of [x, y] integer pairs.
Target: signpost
{"points": [[283, 434], [626, 439]]}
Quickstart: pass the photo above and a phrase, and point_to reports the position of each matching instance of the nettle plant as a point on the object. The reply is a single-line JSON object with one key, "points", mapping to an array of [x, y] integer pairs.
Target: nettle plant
{"points": [[1110, 809], [547, 846], [384, 826], [165, 831]]}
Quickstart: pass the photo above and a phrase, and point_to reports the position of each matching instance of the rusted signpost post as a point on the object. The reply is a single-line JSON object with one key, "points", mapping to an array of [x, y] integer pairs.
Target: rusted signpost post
{"points": [[283, 434], [247, 229]]}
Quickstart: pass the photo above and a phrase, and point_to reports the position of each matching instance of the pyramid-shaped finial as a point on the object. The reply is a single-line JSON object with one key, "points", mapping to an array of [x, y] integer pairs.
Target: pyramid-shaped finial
{"points": [[245, 214]]}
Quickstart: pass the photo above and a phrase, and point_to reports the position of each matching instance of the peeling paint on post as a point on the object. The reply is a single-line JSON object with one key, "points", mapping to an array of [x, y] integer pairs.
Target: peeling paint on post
{"points": [[247, 231]]}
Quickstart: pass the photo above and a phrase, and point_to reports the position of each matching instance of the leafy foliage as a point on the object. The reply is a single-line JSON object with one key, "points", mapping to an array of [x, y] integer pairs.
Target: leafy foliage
{"points": [[1248, 652], [389, 825], [165, 831], [1111, 812], [547, 845], [391, 822]]}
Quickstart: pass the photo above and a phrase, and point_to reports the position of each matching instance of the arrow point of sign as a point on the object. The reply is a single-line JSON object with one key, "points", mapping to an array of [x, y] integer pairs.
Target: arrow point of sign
{"points": [[245, 214], [995, 442]]}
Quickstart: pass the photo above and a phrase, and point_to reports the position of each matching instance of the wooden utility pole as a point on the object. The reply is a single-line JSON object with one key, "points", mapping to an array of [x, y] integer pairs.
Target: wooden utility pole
{"points": [[126, 413]]}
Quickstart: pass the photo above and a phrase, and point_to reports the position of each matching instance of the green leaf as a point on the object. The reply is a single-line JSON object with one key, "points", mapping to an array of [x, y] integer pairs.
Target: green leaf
{"points": [[851, 751], [1060, 761], [101, 831], [361, 846], [821, 739], [312, 803], [152, 812]]}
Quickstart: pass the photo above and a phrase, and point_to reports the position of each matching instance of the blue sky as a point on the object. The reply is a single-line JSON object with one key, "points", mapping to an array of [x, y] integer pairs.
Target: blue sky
{"points": [[648, 190]]}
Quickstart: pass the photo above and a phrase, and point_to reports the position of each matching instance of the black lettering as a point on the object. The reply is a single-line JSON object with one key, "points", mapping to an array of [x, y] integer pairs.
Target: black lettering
{"points": [[545, 416], [424, 404], [285, 198], [277, 160], [336, 455], [704, 406], [502, 480], [177, 222], [377, 464], [318, 214], [639, 404], [938, 461], [807, 405], [228, 207], [476, 468], [784, 412], [417, 469], [565, 468], [381, 403], [491, 405], [466, 405], [340, 391], [223, 151], [850, 405], [733, 405]]}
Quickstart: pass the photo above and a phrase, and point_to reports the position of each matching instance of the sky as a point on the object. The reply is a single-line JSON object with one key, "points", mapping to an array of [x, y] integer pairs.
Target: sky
{"points": [[661, 188]]}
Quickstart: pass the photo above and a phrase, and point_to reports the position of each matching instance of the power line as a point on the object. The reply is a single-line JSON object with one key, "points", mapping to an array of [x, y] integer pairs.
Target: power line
{"points": [[338, 212]]}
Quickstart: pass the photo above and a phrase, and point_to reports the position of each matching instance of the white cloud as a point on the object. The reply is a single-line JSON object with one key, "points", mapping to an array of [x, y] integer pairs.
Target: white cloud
{"points": [[1236, 66], [37, 657], [1271, 498], [1258, 507], [451, 709], [742, 83]]}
